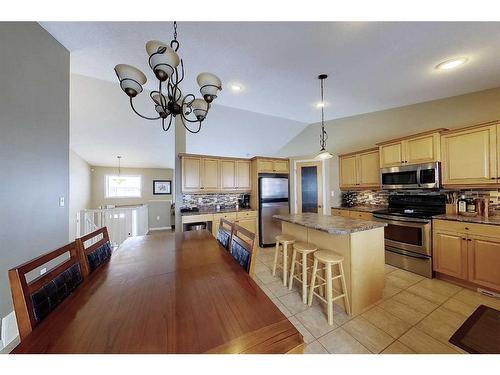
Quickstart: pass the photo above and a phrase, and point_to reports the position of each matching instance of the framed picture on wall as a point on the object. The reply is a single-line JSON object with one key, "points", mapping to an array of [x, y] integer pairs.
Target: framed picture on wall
{"points": [[162, 187]]}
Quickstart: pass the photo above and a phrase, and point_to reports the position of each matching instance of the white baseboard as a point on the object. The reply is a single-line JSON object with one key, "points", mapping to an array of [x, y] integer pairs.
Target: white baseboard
{"points": [[9, 329], [160, 228]]}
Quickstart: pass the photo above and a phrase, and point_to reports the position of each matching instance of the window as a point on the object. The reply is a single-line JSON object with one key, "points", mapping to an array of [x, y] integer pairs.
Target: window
{"points": [[123, 186]]}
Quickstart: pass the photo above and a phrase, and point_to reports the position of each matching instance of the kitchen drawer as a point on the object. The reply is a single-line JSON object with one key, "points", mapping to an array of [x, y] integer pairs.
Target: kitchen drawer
{"points": [[361, 215], [336, 212], [231, 216], [197, 218], [467, 228], [343, 213], [245, 214]]}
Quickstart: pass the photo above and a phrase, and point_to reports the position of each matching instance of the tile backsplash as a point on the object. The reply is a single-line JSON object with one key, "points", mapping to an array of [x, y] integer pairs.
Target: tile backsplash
{"points": [[380, 197], [209, 201]]}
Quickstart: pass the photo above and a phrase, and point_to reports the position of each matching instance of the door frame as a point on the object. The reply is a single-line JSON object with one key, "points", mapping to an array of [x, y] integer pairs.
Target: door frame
{"points": [[326, 211]]}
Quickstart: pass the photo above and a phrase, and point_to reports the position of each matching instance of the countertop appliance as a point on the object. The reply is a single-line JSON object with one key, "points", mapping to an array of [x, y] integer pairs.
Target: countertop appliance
{"points": [[408, 235], [417, 176], [273, 200], [244, 201]]}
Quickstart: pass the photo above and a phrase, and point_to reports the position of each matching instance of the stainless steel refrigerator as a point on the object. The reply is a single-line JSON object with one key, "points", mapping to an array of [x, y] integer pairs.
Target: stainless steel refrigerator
{"points": [[273, 200]]}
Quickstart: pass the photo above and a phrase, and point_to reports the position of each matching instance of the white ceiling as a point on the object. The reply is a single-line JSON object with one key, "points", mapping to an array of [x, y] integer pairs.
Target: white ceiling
{"points": [[372, 66]]}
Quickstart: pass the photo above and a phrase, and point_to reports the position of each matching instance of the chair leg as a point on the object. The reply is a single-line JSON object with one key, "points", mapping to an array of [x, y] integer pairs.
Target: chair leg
{"points": [[304, 278], [344, 290], [276, 253], [329, 293], [292, 269], [313, 281], [285, 263]]}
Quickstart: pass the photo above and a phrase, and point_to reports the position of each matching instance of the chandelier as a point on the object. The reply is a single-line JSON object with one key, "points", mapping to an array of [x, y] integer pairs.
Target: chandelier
{"points": [[169, 101], [323, 154]]}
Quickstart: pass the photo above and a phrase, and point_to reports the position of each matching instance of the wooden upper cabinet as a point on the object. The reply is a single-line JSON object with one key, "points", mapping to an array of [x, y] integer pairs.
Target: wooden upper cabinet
{"points": [[243, 175], [228, 174], [213, 174], [210, 174], [391, 155], [484, 261], [272, 166], [450, 254], [498, 153], [281, 166], [469, 157], [422, 148], [360, 170], [191, 173], [348, 171], [369, 169], [425, 149]]}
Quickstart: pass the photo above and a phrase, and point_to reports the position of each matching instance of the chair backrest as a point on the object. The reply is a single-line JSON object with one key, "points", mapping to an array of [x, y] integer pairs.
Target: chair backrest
{"points": [[97, 253], [242, 243], [225, 232], [35, 300]]}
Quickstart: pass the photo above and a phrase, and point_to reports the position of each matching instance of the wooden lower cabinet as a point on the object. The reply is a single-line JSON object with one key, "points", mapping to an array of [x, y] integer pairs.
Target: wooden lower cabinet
{"points": [[467, 255], [450, 254], [352, 214], [484, 261]]}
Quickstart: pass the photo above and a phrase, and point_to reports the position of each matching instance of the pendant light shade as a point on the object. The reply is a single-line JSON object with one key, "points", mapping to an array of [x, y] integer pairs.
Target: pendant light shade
{"points": [[131, 79], [162, 59], [323, 155], [200, 108], [210, 84]]}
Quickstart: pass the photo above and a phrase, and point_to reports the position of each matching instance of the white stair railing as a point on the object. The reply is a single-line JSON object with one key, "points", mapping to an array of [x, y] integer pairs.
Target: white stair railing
{"points": [[122, 222]]}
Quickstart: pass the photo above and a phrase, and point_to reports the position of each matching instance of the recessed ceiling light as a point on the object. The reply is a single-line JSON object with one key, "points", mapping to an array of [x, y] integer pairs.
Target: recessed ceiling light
{"points": [[235, 87], [320, 105], [452, 63]]}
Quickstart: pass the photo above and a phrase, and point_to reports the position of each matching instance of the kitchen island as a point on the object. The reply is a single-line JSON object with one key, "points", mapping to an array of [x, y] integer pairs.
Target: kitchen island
{"points": [[360, 242]]}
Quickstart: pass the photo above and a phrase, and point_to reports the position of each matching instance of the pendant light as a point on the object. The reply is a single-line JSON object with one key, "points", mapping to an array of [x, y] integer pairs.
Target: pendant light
{"points": [[323, 154], [119, 180]]}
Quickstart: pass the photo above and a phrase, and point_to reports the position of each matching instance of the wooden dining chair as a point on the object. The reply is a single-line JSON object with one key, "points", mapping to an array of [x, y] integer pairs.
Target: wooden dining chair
{"points": [[225, 232], [242, 243], [35, 300], [97, 253]]}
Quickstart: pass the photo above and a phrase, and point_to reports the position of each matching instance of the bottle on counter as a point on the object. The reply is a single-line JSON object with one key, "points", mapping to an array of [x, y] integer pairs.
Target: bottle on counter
{"points": [[462, 204], [471, 205]]}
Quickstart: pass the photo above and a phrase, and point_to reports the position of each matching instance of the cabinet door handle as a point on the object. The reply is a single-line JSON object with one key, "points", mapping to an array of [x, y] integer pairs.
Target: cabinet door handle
{"points": [[469, 239], [463, 238], [494, 178], [466, 228]]}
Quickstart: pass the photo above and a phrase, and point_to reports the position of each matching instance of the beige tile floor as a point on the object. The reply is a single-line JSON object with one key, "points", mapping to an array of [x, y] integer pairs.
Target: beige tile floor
{"points": [[416, 314]]}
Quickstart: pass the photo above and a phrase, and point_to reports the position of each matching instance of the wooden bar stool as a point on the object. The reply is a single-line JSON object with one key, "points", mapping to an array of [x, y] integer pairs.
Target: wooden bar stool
{"points": [[329, 259], [303, 249], [282, 243]]}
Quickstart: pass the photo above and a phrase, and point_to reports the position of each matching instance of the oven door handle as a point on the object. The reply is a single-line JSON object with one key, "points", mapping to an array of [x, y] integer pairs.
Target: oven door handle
{"points": [[399, 220], [407, 253]]}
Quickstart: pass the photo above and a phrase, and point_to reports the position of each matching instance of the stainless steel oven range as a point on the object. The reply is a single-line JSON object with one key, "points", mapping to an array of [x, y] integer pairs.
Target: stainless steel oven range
{"points": [[408, 235]]}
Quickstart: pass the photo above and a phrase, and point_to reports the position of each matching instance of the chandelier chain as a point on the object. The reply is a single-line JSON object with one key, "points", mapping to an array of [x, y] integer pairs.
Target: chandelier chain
{"points": [[175, 30]]}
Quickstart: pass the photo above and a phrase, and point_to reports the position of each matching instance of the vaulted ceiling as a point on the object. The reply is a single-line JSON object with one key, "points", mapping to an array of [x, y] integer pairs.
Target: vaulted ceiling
{"points": [[371, 66]]}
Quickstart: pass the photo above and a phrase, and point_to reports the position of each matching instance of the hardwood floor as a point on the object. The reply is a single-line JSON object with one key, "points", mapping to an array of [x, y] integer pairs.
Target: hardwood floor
{"points": [[416, 315]]}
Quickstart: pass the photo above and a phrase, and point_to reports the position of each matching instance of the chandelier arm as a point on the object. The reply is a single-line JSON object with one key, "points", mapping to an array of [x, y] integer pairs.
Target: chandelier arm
{"points": [[169, 123], [187, 128], [182, 72], [138, 114]]}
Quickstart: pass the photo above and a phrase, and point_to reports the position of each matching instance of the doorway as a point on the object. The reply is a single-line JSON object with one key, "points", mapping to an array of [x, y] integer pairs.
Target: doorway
{"points": [[309, 187]]}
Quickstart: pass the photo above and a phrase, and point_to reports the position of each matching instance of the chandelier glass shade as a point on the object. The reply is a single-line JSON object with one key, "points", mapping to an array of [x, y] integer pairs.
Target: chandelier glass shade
{"points": [[168, 100], [323, 153]]}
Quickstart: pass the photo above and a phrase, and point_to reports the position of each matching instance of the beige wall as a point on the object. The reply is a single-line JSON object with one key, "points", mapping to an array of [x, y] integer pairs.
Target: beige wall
{"points": [[79, 189], [147, 174], [159, 210], [363, 131]]}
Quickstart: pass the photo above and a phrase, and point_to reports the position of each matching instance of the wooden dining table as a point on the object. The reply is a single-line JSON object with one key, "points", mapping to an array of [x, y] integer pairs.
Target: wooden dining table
{"points": [[166, 293]]}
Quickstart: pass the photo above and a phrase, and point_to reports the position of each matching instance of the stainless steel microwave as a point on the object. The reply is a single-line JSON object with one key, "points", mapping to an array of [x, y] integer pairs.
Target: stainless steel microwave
{"points": [[417, 176]]}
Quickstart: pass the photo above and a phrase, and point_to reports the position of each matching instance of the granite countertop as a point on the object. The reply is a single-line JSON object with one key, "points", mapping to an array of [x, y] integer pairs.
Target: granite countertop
{"points": [[214, 211], [330, 224], [360, 208], [492, 220]]}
